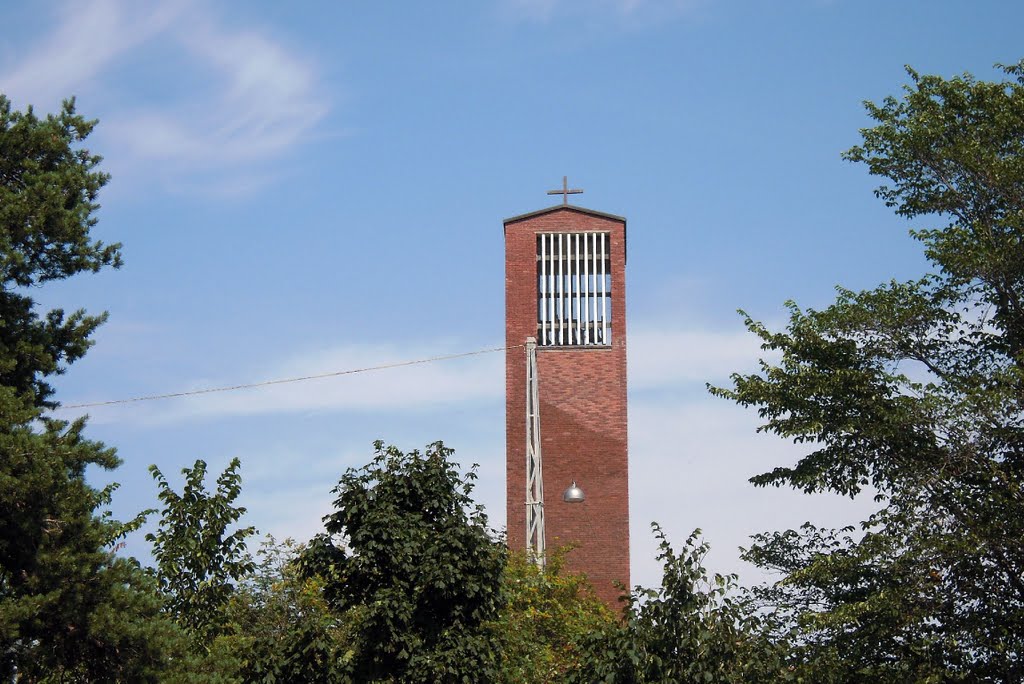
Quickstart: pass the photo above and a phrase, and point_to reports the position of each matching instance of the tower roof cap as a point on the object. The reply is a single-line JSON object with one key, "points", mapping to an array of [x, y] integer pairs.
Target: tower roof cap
{"points": [[564, 207]]}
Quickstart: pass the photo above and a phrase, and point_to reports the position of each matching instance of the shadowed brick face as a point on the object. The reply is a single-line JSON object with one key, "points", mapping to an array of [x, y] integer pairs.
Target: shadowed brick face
{"points": [[582, 410]]}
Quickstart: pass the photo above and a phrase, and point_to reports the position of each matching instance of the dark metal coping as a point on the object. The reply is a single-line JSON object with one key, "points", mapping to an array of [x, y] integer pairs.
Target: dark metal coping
{"points": [[569, 207]]}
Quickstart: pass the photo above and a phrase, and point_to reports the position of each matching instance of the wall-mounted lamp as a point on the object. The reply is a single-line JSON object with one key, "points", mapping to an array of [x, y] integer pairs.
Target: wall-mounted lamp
{"points": [[573, 494]]}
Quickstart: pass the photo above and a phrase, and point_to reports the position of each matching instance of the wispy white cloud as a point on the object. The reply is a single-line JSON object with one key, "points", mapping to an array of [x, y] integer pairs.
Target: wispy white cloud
{"points": [[690, 465], [660, 358], [639, 10], [669, 356], [417, 387], [267, 101], [245, 97], [87, 39]]}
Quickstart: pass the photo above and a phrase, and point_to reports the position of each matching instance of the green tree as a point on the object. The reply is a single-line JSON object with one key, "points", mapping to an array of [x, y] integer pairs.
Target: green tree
{"points": [[69, 609], [198, 560], [694, 628], [547, 617], [408, 561], [915, 389], [280, 628]]}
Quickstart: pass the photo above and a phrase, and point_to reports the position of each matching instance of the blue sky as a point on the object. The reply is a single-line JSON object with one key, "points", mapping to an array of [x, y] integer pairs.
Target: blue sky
{"points": [[310, 188]]}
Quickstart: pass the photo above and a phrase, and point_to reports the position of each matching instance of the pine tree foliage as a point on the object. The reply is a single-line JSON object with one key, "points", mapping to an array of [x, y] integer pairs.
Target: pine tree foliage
{"points": [[70, 610], [48, 191]]}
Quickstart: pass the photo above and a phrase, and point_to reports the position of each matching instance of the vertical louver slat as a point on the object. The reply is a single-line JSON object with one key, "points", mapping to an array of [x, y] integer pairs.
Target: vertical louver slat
{"points": [[586, 289], [594, 268], [561, 292], [577, 304], [604, 294], [542, 312]]}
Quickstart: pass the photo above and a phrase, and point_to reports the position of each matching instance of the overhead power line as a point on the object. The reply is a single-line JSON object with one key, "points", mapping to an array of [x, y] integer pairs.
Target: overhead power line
{"points": [[282, 381]]}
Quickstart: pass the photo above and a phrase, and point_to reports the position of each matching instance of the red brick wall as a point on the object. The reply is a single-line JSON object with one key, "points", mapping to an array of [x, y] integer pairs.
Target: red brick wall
{"points": [[582, 412]]}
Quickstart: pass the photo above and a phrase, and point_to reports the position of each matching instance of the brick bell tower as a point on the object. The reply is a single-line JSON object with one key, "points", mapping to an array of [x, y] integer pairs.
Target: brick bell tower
{"points": [[565, 388]]}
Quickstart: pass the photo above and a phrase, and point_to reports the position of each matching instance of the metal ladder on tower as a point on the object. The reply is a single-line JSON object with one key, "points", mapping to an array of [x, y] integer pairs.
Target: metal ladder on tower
{"points": [[535, 545]]}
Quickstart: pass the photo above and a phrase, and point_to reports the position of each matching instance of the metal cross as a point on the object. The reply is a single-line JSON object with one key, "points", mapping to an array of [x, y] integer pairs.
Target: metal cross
{"points": [[565, 191]]}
